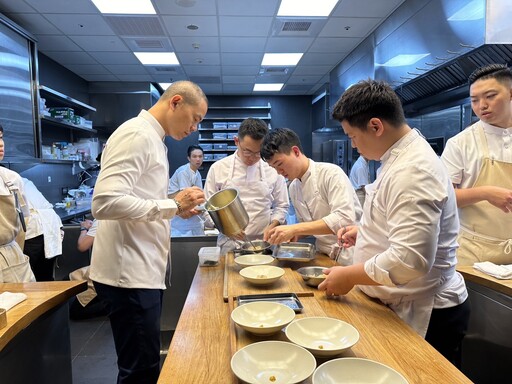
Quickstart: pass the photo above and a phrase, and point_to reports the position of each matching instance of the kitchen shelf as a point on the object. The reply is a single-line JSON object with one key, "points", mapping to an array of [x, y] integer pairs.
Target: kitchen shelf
{"points": [[218, 129], [268, 106], [216, 140], [64, 100], [64, 124], [237, 118]]}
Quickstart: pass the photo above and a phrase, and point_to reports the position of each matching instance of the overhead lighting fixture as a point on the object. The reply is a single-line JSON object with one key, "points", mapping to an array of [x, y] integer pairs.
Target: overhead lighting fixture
{"points": [[274, 87], [306, 8], [403, 60], [127, 7], [281, 59], [164, 86], [474, 10], [157, 58]]}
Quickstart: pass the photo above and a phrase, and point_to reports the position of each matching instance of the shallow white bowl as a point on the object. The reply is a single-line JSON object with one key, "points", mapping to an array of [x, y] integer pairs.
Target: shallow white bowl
{"points": [[254, 259], [322, 336], [273, 362], [263, 317], [262, 274], [350, 370]]}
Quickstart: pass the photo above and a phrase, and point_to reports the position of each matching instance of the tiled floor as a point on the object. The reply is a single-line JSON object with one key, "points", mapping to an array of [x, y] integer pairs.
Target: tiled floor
{"points": [[93, 353]]}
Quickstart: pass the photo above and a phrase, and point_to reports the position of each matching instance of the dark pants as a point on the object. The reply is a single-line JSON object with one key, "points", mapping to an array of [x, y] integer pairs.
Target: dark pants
{"points": [[447, 328], [135, 321], [40, 265]]}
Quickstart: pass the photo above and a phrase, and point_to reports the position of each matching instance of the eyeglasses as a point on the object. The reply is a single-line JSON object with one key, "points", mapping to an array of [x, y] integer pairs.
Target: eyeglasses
{"points": [[248, 153]]}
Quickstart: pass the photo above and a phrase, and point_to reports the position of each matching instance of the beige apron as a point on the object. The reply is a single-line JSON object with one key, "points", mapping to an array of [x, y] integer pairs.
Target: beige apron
{"points": [[14, 265], [486, 231]]}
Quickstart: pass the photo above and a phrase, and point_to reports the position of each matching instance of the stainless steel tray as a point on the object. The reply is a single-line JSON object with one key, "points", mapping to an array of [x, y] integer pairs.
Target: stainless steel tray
{"points": [[294, 251], [289, 299]]}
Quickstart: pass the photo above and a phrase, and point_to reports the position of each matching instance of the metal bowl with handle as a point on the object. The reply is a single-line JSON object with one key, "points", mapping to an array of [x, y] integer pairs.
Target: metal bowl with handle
{"points": [[227, 212]]}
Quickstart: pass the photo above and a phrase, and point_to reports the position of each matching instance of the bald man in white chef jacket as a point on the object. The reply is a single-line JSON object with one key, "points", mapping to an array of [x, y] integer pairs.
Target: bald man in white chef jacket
{"points": [[262, 191], [406, 243]]}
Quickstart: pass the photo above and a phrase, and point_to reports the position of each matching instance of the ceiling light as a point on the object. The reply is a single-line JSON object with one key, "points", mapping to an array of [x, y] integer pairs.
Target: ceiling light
{"points": [[141, 7], [157, 58], [403, 60], [268, 87], [307, 8], [282, 59]]}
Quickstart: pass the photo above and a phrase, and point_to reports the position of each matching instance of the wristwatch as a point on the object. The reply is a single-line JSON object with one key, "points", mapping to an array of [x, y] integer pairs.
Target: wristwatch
{"points": [[178, 205], [84, 229]]}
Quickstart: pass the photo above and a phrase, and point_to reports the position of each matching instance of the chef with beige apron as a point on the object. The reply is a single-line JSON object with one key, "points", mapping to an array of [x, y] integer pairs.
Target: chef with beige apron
{"points": [[486, 231], [14, 265]]}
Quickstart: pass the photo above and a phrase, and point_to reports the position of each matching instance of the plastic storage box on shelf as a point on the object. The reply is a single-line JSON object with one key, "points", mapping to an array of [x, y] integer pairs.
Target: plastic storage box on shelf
{"points": [[220, 125], [234, 125], [207, 147], [219, 135], [209, 256], [220, 146]]}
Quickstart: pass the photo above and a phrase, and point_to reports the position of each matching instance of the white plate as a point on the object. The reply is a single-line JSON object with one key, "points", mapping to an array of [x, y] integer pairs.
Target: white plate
{"points": [[350, 370], [322, 336], [273, 362], [262, 274], [263, 317], [254, 259]]}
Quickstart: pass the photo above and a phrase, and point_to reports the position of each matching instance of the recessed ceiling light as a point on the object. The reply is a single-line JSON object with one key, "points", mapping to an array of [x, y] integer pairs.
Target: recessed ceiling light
{"points": [[283, 59], [268, 87], [142, 7], [157, 58], [317, 8]]}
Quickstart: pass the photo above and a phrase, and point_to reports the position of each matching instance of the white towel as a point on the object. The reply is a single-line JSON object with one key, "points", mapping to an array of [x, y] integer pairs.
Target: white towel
{"points": [[9, 299], [503, 272]]}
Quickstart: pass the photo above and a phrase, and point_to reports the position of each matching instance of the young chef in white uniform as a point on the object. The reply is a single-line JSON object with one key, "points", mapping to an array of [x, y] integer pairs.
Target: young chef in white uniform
{"points": [[360, 176], [262, 191], [321, 193], [187, 176], [14, 265], [405, 249], [479, 162]]}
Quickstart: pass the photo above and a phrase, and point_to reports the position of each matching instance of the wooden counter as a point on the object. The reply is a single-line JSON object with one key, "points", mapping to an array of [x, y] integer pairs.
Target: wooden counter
{"points": [[200, 351], [37, 333], [475, 276]]}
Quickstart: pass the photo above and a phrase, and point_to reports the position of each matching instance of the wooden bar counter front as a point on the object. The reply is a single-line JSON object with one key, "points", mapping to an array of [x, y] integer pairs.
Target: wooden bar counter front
{"points": [[206, 338]]}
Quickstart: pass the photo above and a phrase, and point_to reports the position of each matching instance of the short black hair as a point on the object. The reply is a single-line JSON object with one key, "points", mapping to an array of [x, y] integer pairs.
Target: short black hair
{"points": [[368, 99], [256, 129], [280, 140], [500, 72], [193, 148], [1, 128]]}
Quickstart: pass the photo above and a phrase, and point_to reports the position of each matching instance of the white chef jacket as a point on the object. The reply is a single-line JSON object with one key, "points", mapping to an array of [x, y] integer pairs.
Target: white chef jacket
{"points": [[360, 173], [185, 177], [324, 193], [43, 221], [408, 234], [130, 201], [463, 157], [256, 181]]}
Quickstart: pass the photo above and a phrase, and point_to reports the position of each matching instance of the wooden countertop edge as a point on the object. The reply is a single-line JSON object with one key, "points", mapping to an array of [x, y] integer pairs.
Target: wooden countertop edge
{"points": [[23, 314], [477, 277]]}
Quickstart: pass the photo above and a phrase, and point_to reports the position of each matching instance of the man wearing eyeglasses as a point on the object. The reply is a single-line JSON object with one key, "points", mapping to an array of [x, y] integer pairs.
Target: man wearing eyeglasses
{"points": [[262, 191]]}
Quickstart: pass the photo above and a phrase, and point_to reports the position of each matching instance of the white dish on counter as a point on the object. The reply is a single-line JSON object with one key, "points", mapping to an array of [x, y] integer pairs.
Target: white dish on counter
{"points": [[262, 274], [273, 362], [348, 370], [263, 317], [254, 259]]}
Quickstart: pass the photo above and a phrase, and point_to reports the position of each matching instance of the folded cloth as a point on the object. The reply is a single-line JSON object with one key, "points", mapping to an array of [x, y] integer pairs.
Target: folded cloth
{"points": [[503, 272], [9, 299]]}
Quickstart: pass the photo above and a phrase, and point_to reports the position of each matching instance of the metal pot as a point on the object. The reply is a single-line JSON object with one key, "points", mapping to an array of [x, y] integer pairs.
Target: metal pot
{"points": [[227, 212], [256, 246]]}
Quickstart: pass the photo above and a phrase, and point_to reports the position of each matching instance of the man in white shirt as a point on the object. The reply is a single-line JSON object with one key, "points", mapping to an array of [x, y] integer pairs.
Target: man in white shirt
{"points": [[321, 193], [479, 162], [360, 176], [131, 248], [261, 190], [405, 249]]}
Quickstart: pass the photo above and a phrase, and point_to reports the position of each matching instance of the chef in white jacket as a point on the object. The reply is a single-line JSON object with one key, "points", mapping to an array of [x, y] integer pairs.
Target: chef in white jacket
{"points": [[360, 177], [321, 193], [43, 240], [406, 243], [262, 191]]}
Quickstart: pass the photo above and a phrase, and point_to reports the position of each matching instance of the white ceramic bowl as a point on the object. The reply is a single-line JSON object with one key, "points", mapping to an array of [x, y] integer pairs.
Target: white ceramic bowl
{"points": [[273, 362], [350, 370], [254, 259], [263, 317], [322, 336], [262, 274]]}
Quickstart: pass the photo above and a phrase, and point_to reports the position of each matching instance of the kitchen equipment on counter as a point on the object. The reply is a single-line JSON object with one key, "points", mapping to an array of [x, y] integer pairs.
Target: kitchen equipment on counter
{"points": [[322, 336], [273, 362], [263, 318], [254, 259], [313, 276], [356, 370], [289, 299], [294, 251], [262, 274], [256, 246], [227, 212], [209, 256]]}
